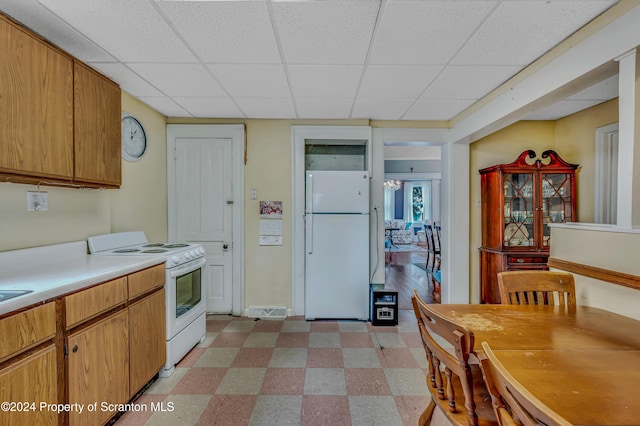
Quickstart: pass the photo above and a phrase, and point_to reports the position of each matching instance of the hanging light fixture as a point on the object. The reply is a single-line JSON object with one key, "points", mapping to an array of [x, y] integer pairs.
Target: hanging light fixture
{"points": [[392, 184]]}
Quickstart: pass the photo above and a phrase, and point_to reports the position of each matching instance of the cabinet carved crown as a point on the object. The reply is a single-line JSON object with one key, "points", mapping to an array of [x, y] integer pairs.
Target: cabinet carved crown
{"points": [[519, 202]]}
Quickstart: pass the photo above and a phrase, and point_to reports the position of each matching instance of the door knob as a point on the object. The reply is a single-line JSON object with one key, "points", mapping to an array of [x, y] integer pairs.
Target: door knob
{"points": [[225, 247]]}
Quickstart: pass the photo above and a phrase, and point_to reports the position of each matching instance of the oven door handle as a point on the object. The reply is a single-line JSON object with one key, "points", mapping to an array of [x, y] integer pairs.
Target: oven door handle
{"points": [[187, 268]]}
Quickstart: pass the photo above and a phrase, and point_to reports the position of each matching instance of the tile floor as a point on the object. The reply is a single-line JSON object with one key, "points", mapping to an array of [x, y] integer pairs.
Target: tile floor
{"points": [[294, 372]]}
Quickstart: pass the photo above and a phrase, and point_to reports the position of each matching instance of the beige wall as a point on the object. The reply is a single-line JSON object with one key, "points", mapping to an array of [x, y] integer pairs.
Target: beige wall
{"points": [[575, 142], [141, 202], [500, 147]]}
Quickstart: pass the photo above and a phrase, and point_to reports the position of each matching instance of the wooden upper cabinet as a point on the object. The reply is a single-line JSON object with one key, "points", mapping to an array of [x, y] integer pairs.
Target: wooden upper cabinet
{"points": [[97, 128], [36, 100]]}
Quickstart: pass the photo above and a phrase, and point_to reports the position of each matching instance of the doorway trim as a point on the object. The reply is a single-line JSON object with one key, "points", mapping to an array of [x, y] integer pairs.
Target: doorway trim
{"points": [[236, 133]]}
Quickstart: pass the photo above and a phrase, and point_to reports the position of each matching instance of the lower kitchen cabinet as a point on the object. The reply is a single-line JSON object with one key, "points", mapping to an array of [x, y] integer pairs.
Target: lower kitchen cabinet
{"points": [[98, 368], [28, 383], [147, 336]]}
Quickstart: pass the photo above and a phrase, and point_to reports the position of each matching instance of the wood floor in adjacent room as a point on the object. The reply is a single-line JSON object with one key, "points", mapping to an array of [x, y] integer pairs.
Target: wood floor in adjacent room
{"points": [[405, 272]]}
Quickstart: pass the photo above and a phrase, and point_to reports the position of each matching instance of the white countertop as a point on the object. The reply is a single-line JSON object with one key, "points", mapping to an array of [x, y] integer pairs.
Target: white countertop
{"points": [[52, 271]]}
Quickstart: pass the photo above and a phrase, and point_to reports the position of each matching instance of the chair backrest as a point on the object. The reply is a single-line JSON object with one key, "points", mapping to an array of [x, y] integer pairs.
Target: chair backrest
{"points": [[436, 237], [431, 243], [435, 329], [537, 288], [512, 403]]}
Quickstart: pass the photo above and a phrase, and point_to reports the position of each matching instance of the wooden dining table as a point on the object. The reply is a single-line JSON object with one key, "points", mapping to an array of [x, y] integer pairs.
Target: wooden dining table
{"points": [[583, 364]]}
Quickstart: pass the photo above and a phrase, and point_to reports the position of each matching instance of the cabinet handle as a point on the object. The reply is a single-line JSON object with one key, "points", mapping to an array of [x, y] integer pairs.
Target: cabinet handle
{"points": [[75, 348], [520, 260]]}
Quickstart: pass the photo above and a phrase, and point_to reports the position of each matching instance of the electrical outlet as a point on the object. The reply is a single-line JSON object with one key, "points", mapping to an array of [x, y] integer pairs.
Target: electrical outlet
{"points": [[37, 201]]}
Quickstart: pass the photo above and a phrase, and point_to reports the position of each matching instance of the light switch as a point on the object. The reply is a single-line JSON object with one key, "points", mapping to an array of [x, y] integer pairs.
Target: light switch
{"points": [[254, 194]]}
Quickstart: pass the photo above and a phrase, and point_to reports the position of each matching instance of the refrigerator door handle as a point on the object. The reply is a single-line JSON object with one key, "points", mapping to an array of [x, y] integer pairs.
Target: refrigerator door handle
{"points": [[309, 233], [309, 194]]}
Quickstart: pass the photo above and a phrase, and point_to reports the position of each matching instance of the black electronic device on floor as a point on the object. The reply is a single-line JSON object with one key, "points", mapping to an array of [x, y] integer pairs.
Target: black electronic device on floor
{"points": [[384, 306]]}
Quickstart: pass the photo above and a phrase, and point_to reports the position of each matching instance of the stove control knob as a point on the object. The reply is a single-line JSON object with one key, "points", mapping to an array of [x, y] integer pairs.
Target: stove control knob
{"points": [[187, 254], [201, 251], [175, 259], [192, 253]]}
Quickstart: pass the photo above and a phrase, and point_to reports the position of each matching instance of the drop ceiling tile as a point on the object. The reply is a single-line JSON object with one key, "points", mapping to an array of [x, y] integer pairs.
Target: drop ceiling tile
{"points": [[324, 81], [518, 32], [131, 82], [32, 15], [468, 82], [396, 82], [605, 90], [209, 107], [267, 107], [325, 32], [131, 30], [225, 31], [165, 106], [436, 109], [425, 32], [323, 108], [180, 79], [255, 80], [381, 109]]}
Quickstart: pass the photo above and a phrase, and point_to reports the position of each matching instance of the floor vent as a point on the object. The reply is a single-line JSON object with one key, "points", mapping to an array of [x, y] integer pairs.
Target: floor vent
{"points": [[267, 312]]}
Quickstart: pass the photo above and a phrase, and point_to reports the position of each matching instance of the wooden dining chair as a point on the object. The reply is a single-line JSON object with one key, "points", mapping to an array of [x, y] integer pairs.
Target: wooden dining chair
{"points": [[537, 288], [455, 385], [433, 250], [512, 403]]}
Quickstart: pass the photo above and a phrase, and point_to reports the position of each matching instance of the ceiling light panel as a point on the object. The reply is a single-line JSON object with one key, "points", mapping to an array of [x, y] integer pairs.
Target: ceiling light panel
{"points": [[426, 32], [326, 32], [225, 32]]}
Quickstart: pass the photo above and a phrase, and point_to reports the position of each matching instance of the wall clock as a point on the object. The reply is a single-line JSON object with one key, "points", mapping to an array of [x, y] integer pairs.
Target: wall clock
{"points": [[134, 138]]}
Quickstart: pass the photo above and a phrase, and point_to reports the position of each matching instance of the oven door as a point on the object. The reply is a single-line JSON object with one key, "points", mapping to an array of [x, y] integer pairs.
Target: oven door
{"points": [[185, 296]]}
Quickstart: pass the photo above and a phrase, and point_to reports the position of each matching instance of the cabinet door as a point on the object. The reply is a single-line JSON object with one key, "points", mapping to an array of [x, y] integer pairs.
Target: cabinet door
{"points": [[32, 380], [98, 367], [97, 128], [557, 201], [519, 209], [36, 100], [147, 339]]}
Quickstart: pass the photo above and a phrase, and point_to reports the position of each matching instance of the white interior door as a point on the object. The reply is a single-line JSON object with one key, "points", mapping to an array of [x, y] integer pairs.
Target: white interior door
{"points": [[203, 210]]}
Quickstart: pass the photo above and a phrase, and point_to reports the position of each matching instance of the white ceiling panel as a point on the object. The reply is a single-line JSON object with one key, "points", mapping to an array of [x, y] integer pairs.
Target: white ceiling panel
{"points": [[324, 108], [325, 32], [472, 82], [267, 107], [324, 81], [321, 59], [225, 31], [132, 83], [389, 109], [520, 31], [165, 105], [131, 30], [256, 80], [209, 107], [436, 109], [180, 80], [393, 81], [426, 32], [31, 14]]}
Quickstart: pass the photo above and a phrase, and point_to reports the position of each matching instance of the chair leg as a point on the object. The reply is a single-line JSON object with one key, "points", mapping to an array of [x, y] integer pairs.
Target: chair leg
{"points": [[425, 417]]}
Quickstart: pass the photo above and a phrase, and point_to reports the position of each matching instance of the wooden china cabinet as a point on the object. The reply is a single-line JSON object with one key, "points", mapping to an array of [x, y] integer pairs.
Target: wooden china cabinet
{"points": [[519, 201]]}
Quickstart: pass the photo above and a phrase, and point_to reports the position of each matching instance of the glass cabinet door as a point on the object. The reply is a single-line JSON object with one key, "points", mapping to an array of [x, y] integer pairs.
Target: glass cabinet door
{"points": [[519, 209], [557, 201]]}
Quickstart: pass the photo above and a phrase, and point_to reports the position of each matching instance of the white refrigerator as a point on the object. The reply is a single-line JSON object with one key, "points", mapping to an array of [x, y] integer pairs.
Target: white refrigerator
{"points": [[337, 245]]}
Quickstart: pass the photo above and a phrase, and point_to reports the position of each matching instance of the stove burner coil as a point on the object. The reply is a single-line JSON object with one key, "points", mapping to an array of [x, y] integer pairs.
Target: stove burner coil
{"points": [[154, 251], [175, 245], [126, 251], [153, 245]]}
